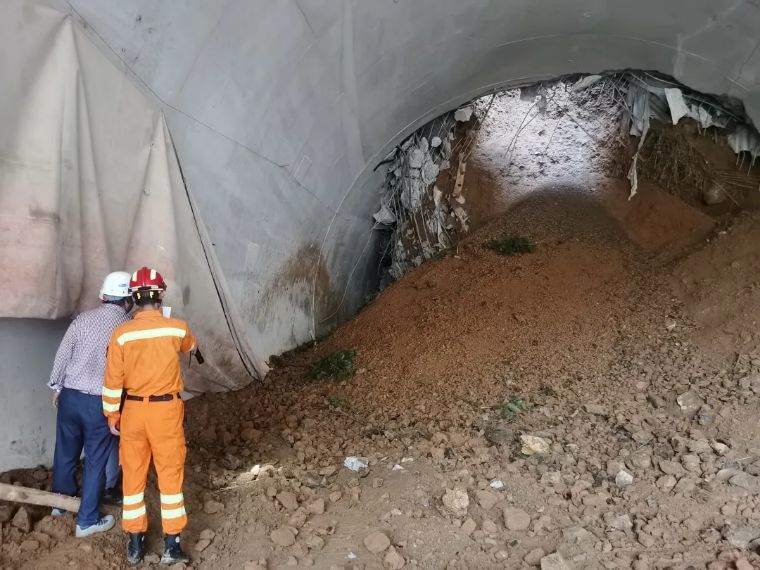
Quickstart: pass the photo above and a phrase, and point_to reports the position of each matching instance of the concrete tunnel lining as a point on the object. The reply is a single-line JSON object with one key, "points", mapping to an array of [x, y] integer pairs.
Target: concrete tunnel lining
{"points": [[280, 111], [347, 76]]}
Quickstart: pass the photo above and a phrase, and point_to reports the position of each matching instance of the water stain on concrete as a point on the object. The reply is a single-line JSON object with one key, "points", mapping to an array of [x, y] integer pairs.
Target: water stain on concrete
{"points": [[302, 282]]}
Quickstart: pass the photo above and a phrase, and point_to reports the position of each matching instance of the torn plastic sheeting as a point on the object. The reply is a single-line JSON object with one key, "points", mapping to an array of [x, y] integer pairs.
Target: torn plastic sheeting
{"points": [[384, 216], [585, 82], [744, 139], [86, 208], [633, 175], [640, 109], [677, 105], [463, 115]]}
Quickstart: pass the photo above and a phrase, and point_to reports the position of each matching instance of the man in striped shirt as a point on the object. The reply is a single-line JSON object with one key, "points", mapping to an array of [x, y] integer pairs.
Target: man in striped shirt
{"points": [[143, 368], [77, 382]]}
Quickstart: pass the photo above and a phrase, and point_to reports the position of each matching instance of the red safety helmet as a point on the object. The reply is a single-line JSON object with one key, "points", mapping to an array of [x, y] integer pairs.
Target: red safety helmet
{"points": [[146, 279]]}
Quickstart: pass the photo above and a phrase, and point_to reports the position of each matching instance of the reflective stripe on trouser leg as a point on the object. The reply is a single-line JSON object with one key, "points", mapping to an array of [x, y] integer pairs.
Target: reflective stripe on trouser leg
{"points": [[167, 438], [134, 452], [172, 507]]}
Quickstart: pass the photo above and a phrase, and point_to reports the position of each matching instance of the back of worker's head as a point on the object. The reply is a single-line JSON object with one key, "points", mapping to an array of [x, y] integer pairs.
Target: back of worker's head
{"points": [[147, 298], [147, 287], [115, 289]]}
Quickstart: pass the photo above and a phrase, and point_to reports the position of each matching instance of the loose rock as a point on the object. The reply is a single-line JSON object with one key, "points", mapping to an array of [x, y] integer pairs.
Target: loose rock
{"points": [[456, 501], [534, 557], [377, 542], [740, 537], [486, 499], [516, 519], [623, 478], [533, 445], [317, 507], [288, 500], [393, 560], [22, 520], [469, 526], [283, 536], [554, 562], [202, 545], [212, 507], [30, 545]]}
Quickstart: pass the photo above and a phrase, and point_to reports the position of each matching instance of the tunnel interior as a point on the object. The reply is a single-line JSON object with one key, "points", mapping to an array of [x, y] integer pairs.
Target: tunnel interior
{"points": [[499, 256]]}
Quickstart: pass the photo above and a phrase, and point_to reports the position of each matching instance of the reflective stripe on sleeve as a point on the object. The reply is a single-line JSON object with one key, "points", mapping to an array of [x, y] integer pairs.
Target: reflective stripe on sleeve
{"points": [[172, 499], [151, 333], [133, 514], [133, 499], [173, 513], [111, 407], [112, 393]]}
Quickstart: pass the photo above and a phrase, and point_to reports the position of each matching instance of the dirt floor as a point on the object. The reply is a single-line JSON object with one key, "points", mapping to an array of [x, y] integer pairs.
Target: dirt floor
{"points": [[636, 372], [592, 404]]}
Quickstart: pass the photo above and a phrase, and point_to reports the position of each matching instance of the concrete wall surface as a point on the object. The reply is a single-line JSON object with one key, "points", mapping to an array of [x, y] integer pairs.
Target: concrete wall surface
{"points": [[280, 110], [27, 417]]}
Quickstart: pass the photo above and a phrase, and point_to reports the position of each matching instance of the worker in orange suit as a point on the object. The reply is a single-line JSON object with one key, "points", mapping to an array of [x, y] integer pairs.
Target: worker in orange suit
{"points": [[143, 372]]}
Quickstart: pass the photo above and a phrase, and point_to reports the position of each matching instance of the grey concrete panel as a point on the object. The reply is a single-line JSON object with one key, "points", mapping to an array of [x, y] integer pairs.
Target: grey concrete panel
{"points": [[280, 110], [27, 350]]}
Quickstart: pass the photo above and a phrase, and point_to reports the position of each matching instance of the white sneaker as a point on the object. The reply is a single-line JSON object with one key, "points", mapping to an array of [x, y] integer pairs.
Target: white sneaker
{"points": [[58, 512], [103, 525]]}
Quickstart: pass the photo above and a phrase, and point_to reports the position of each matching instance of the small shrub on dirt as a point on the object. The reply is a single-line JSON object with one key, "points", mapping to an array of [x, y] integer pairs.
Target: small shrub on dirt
{"points": [[513, 407], [511, 246], [336, 366]]}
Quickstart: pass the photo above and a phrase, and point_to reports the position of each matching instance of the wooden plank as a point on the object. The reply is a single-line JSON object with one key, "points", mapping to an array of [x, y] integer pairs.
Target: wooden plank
{"points": [[19, 494]]}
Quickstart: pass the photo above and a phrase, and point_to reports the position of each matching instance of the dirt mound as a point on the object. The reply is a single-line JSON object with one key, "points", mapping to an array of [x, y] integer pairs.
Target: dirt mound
{"points": [[478, 326], [720, 288], [553, 406]]}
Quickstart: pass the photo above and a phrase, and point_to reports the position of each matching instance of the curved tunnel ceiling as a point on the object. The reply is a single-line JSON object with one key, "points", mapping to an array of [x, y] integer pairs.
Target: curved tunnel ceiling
{"points": [[280, 110]]}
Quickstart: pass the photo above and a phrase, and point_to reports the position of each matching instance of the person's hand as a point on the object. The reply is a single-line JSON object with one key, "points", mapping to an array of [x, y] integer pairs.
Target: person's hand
{"points": [[56, 397], [115, 430]]}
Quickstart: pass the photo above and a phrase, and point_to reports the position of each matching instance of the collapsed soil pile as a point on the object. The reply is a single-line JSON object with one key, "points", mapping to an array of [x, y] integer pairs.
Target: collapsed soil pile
{"points": [[641, 450]]}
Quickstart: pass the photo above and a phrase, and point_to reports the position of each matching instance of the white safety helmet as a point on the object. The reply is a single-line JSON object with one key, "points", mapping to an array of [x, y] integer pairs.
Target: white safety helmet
{"points": [[115, 286]]}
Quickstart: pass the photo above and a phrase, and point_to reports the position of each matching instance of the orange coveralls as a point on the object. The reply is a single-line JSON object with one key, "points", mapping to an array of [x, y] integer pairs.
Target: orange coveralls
{"points": [[143, 361]]}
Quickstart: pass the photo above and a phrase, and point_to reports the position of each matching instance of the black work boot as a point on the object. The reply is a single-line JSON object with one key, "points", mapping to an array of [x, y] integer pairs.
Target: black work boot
{"points": [[112, 497], [173, 550], [136, 547]]}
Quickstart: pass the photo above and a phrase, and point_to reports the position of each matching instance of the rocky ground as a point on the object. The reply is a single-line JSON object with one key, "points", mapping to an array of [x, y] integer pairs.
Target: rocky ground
{"points": [[629, 441]]}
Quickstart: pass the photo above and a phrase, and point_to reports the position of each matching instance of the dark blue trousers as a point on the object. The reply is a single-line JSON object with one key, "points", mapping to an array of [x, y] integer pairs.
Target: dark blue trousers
{"points": [[81, 425]]}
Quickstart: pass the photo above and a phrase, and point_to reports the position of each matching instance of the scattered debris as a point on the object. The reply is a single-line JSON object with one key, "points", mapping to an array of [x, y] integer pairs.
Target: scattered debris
{"points": [[356, 464], [623, 478], [533, 445]]}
